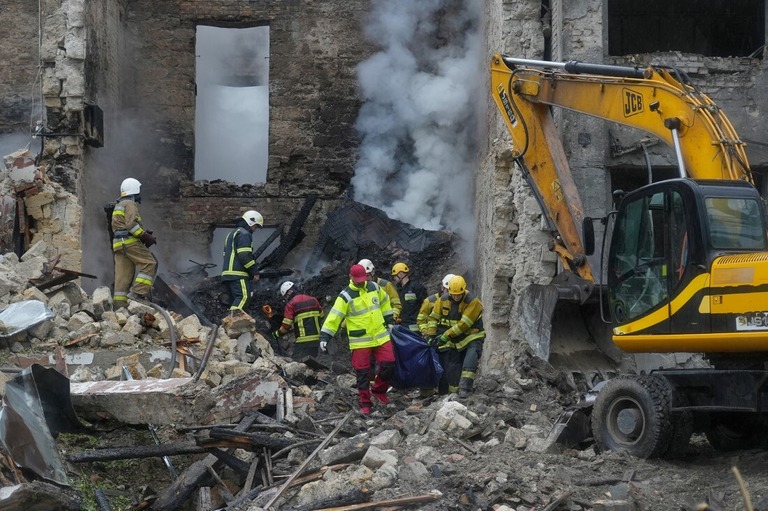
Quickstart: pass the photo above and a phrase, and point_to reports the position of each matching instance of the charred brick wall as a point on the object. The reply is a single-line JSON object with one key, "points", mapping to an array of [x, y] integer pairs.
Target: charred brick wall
{"points": [[142, 72]]}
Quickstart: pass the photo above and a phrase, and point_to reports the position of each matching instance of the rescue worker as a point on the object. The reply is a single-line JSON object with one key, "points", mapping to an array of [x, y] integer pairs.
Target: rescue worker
{"points": [[457, 323], [366, 309], [394, 300], [386, 285], [130, 246], [302, 313], [428, 304], [239, 271], [412, 295]]}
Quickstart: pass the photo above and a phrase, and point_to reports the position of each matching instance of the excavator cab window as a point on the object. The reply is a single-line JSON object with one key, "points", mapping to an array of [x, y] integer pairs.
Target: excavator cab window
{"points": [[649, 253], [732, 224]]}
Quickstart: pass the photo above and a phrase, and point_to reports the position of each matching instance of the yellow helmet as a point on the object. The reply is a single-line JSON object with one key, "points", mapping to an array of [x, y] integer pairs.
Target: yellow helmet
{"points": [[457, 285], [400, 267]]}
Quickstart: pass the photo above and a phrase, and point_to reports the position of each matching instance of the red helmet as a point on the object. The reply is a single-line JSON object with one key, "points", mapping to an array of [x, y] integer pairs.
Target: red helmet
{"points": [[357, 274]]}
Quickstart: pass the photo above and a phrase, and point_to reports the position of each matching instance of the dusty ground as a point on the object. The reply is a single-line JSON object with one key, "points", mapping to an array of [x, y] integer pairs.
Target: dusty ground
{"points": [[496, 472]]}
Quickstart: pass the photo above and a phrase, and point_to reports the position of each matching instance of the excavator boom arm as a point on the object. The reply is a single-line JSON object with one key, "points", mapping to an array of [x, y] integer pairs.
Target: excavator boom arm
{"points": [[655, 100]]}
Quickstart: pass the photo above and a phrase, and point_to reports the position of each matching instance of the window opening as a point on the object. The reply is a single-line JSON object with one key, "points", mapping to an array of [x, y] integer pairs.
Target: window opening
{"points": [[713, 28], [232, 104]]}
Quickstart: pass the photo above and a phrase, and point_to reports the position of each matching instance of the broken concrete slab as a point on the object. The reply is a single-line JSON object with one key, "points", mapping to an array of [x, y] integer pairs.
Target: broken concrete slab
{"points": [[172, 401]]}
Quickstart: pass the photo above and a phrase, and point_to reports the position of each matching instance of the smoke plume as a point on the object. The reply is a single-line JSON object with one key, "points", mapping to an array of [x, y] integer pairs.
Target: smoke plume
{"points": [[418, 125]]}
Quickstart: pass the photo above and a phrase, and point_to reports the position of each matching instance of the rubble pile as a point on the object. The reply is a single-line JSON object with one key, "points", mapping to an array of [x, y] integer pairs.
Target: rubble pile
{"points": [[259, 431]]}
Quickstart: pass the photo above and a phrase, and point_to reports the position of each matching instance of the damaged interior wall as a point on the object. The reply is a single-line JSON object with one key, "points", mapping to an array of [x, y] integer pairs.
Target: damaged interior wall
{"points": [[136, 62]]}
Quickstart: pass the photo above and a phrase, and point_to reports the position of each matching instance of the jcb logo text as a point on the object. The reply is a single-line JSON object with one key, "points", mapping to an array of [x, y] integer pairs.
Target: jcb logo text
{"points": [[633, 102]]}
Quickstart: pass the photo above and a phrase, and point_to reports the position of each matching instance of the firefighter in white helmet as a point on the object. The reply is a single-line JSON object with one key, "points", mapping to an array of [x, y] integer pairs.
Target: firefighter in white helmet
{"points": [[135, 266], [428, 304], [302, 313], [239, 270]]}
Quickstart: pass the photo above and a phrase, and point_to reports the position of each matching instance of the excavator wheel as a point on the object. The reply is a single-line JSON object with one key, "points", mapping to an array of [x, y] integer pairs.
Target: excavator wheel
{"points": [[633, 413], [734, 431]]}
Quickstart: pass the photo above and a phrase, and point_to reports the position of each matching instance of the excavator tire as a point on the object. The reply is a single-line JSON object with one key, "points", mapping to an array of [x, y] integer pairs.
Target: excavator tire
{"points": [[632, 413], [734, 431]]}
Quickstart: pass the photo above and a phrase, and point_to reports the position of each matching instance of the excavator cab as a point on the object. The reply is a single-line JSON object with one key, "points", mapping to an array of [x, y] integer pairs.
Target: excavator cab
{"points": [[667, 237]]}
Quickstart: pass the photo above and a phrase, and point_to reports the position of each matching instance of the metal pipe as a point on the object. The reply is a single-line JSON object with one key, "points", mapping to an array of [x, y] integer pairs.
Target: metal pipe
{"points": [[207, 353], [576, 67], [679, 152]]}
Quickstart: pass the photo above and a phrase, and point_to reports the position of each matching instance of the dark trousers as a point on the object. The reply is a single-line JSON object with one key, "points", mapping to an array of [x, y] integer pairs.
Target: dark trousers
{"points": [[302, 350], [459, 367], [240, 292]]}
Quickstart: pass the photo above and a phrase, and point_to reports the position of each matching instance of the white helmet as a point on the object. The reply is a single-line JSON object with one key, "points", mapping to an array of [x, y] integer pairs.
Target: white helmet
{"points": [[285, 287], [367, 264], [253, 218], [130, 186], [447, 280]]}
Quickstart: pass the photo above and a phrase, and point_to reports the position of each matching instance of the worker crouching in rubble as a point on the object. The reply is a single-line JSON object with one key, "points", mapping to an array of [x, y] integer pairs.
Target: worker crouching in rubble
{"points": [[302, 313], [130, 246], [367, 311], [239, 269], [456, 322]]}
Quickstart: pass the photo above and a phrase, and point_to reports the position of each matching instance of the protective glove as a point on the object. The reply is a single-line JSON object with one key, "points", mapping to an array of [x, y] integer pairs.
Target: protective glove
{"points": [[388, 320], [147, 238], [431, 340], [275, 335], [324, 339], [398, 320], [442, 340]]}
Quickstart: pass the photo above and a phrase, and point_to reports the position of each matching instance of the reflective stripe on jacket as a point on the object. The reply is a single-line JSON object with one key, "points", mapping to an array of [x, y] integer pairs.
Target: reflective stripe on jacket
{"points": [[364, 308], [394, 298], [126, 223], [461, 322], [302, 312], [426, 308], [238, 255]]}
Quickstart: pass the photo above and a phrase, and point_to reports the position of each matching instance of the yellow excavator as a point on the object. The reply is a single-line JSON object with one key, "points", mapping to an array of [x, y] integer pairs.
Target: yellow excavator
{"points": [[687, 265]]}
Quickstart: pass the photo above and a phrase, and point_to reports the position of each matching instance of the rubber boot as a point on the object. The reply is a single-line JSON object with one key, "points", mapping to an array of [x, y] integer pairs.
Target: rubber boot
{"points": [[365, 401], [465, 387]]}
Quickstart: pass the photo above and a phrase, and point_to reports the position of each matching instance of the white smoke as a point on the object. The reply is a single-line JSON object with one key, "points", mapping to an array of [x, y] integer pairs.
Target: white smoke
{"points": [[418, 124]]}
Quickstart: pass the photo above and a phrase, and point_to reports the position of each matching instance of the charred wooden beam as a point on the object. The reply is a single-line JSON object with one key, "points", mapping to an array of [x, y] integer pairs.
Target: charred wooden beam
{"points": [[133, 452], [178, 493], [248, 439]]}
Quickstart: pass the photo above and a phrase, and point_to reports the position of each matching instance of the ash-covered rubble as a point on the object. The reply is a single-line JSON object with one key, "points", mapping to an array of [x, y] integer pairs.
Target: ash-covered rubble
{"points": [[405, 450]]}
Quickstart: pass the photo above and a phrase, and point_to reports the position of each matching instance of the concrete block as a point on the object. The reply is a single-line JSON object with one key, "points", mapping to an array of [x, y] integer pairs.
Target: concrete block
{"points": [[347, 451], [388, 439], [375, 457]]}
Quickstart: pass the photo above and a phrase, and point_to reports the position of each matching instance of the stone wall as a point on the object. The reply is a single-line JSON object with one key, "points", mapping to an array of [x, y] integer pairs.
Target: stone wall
{"points": [[19, 92]]}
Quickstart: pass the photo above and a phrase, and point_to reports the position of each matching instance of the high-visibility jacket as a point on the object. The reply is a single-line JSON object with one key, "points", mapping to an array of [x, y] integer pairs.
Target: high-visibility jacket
{"points": [[366, 311], [463, 319], [394, 298], [412, 295], [424, 311], [238, 254], [302, 312], [126, 223]]}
